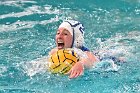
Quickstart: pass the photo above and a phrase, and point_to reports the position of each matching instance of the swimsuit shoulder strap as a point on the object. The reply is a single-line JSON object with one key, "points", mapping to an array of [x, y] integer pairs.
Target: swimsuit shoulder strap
{"points": [[83, 48]]}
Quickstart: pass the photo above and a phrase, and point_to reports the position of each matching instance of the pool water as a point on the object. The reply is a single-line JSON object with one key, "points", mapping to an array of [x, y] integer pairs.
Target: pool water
{"points": [[27, 31]]}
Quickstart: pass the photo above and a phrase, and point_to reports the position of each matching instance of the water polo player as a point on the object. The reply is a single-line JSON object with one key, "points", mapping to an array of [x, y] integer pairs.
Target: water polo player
{"points": [[70, 34]]}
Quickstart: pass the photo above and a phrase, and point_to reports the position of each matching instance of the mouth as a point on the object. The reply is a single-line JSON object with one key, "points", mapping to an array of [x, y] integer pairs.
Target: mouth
{"points": [[60, 44]]}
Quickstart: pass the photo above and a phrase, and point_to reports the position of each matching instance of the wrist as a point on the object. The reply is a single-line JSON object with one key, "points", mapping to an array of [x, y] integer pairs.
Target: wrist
{"points": [[82, 63]]}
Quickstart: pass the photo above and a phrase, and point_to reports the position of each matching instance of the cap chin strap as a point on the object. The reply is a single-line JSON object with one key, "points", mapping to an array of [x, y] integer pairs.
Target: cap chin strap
{"points": [[73, 38]]}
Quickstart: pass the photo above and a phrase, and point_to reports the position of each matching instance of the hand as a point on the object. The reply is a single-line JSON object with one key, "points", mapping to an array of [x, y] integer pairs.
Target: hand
{"points": [[76, 70]]}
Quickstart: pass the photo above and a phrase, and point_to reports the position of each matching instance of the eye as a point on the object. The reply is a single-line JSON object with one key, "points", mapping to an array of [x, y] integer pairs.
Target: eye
{"points": [[57, 33], [65, 34]]}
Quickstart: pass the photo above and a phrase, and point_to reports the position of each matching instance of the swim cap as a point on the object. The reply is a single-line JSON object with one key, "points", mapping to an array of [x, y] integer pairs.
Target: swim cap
{"points": [[76, 29]]}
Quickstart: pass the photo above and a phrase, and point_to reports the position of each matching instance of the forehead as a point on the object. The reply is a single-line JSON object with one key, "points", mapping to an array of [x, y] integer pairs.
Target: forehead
{"points": [[63, 30]]}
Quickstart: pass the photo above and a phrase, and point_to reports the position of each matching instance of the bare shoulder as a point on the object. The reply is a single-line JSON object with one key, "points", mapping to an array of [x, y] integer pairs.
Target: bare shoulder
{"points": [[91, 56]]}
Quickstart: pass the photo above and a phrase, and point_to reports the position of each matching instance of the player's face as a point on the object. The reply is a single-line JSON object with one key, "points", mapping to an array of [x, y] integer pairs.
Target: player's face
{"points": [[63, 38]]}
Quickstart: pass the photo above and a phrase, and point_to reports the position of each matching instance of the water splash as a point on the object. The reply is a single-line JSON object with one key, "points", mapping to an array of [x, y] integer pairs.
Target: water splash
{"points": [[106, 65], [34, 67], [2, 69]]}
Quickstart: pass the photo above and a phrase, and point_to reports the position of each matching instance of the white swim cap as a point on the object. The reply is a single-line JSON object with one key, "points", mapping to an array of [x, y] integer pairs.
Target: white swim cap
{"points": [[77, 31]]}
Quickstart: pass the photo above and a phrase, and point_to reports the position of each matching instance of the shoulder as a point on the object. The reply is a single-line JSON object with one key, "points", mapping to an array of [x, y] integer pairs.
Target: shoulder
{"points": [[89, 54]]}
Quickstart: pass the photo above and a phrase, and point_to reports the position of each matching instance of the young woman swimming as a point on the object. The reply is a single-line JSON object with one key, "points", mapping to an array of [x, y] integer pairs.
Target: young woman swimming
{"points": [[70, 34]]}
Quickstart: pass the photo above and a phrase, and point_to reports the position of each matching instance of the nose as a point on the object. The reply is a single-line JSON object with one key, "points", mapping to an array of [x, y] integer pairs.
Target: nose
{"points": [[60, 35]]}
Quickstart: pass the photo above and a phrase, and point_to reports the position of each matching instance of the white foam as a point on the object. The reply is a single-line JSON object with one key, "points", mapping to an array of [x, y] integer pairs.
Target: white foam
{"points": [[35, 66], [106, 65], [2, 69], [80, 53], [25, 24], [119, 44], [16, 3], [47, 9], [32, 10]]}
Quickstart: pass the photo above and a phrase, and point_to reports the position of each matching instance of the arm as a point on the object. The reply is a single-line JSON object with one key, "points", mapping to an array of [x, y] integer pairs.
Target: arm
{"points": [[89, 62], [78, 68]]}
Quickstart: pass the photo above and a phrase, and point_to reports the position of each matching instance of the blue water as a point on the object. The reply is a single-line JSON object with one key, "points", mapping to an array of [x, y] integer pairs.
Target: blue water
{"points": [[27, 30]]}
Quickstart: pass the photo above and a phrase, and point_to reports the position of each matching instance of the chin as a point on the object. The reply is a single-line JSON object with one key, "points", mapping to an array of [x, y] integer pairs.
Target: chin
{"points": [[60, 48]]}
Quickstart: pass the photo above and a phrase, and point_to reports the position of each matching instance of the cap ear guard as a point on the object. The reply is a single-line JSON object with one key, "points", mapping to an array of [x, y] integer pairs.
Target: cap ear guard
{"points": [[78, 33]]}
